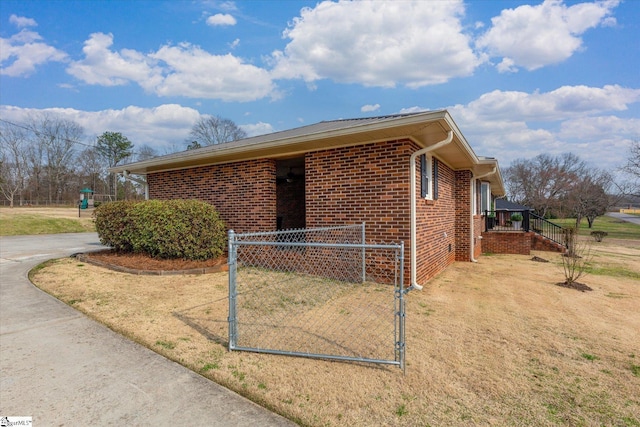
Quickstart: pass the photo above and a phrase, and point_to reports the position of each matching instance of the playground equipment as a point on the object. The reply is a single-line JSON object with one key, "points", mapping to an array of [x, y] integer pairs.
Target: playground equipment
{"points": [[86, 198]]}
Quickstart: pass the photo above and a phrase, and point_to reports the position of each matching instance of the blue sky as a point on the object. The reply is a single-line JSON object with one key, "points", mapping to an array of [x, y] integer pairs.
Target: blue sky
{"points": [[520, 78]]}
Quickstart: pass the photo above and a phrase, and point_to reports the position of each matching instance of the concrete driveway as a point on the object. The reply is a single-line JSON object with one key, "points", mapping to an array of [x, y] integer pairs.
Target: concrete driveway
{"points": [[62, 368]]}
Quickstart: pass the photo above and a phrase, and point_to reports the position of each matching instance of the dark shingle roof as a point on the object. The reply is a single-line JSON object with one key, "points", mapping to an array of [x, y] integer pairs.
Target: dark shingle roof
{"points": [[505, 205]]}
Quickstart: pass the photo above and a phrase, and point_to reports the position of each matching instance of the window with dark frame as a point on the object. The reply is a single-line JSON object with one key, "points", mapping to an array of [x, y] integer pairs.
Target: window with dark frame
{"points": [[424, 179], [435, 179], [428, 177]]}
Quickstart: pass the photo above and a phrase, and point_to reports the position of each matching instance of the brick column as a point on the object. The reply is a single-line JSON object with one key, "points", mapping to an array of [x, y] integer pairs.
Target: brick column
{"points": [[462, 191]]}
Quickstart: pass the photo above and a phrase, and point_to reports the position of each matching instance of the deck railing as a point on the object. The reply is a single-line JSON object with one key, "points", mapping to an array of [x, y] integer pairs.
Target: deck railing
{"points": [[504, 221]]}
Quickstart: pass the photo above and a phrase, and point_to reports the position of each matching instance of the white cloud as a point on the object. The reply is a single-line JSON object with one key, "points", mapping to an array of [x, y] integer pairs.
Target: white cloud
{"points": [[220, 19], [21, 21], [577, 119], [377, 43], [162, 127], [101, 66], [602, 127], [195, 73], [229, 6], [562, 103], [535, 36], [21, 53], [414, 109], [507, 65], [256, 129], [368, 108], [609, 137], [182, 70]]}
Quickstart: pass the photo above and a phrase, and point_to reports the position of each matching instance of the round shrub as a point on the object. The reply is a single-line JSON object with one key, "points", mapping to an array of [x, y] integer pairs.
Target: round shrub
{"points": [[114, 225], [188, 229]]}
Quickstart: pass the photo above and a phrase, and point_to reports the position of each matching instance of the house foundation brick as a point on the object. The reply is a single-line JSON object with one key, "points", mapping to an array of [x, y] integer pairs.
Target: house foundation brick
{"points": [[507, 242]]}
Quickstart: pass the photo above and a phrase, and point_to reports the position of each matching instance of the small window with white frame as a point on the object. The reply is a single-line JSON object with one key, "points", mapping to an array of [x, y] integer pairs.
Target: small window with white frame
{"points": [[475, 202], [426, 177], [485, 197]]}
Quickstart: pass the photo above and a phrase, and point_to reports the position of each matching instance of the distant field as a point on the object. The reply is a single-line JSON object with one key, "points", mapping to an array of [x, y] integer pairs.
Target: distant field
{"points": [[616, 228], [23, 220]]}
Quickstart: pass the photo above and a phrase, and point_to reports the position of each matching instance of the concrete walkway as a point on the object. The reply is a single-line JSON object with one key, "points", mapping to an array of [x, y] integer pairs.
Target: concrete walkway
{"points": [[62, 368]]}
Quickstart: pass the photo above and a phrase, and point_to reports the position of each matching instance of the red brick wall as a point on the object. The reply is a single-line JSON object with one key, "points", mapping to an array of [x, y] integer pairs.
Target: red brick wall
{"points": [[370, 183], [436, 226], [478, 227], [462, 194], [497, 242], [350, 185], [244, 193], [290, 203], [365, 183], [539, 243]]}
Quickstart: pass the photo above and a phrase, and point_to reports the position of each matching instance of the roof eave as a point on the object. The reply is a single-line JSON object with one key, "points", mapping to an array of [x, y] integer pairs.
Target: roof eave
{"points": [[417, 127], [239, 151]]}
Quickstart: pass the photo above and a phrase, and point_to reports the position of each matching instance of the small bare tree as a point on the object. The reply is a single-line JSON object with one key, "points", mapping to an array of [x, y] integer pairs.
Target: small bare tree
{"points": [[632, 170], [589, 197], [13, 162], [576, 260], [56, 137]]}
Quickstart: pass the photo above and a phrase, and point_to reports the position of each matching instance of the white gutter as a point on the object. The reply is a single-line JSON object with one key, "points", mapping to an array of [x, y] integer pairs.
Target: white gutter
{"points": [[126, 175], [412, 172], [473, 190]]}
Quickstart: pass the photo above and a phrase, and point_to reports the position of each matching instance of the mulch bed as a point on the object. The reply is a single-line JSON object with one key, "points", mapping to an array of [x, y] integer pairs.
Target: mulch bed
{"points": [[538, 259], [575, 285], [145, 264]]}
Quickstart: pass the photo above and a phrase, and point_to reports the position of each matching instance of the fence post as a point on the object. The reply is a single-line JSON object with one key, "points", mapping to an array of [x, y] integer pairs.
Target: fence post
{"points": [[364, 255], [233, 321], [401, 308]]}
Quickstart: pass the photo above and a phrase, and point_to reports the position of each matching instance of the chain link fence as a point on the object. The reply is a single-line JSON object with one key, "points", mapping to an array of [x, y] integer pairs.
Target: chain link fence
{"points": [[321, 293]]}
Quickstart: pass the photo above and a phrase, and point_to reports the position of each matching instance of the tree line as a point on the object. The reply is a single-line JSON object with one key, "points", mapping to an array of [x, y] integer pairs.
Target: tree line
{"points": [[565, 186], [48, 159]]}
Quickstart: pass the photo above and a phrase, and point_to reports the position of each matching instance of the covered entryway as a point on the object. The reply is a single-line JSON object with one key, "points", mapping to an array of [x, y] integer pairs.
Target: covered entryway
{"points": [[290, 194]]}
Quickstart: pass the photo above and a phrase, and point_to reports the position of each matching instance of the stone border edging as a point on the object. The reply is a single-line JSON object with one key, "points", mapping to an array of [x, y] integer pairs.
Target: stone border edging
{"points": [[206, 270]]}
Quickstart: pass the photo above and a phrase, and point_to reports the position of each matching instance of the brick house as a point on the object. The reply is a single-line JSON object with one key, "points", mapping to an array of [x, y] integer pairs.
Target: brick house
{"points": [[346, 172]]}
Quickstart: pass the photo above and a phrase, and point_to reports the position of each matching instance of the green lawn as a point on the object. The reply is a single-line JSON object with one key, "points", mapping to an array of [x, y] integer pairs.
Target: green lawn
{"points": [[616, 228]]}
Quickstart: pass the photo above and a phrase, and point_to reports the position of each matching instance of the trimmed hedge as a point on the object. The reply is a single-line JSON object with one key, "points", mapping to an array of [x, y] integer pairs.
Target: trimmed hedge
{"points": [[187, 229]]}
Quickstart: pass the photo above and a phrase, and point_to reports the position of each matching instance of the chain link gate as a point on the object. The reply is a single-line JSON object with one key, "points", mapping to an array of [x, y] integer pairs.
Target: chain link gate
{"points": [[321, 293]]}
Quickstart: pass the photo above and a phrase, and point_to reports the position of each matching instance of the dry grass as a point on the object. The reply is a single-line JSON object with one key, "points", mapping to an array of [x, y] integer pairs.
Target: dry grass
{"points": [[492, 343], [44, 220], [48, 212]]}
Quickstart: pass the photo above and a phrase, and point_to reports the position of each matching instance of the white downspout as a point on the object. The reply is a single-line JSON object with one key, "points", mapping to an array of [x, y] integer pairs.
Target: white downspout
{"points": [[412, 172], [473, 190], [139, 181]]}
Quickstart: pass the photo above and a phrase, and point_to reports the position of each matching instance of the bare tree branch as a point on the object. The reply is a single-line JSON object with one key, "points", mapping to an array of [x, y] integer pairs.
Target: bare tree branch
{"points": [[213, 130]]}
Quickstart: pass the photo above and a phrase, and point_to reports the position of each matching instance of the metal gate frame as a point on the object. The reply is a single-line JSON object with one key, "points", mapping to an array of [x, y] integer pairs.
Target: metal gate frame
{"points": [[278, 239]]}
